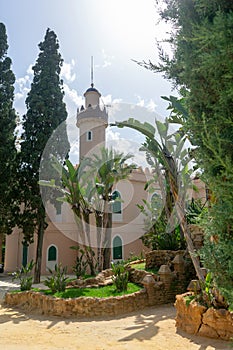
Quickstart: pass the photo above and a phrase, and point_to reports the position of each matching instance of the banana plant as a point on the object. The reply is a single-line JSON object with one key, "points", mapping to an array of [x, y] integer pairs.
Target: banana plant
{"points": [[169, 156]]}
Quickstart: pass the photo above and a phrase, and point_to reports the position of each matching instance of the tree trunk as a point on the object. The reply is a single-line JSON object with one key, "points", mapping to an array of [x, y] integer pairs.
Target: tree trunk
{"points": [[40, 238], [99, 230], [107, 242], [187, 236], [1, 246]]}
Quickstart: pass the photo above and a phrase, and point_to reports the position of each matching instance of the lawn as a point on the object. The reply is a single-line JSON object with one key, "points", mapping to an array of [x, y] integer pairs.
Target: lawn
{"points": [[97, 292], [142, 266]]}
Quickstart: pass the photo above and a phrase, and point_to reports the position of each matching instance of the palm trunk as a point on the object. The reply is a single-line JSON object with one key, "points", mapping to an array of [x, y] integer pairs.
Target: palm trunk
{"points": [[88, 249], [99, 230], [107, 242], [179, 204]]}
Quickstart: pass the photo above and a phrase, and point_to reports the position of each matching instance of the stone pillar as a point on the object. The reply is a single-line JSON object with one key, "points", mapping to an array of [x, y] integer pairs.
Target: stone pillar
{"points": [[178, 263], [149, 283], [165, 275]]}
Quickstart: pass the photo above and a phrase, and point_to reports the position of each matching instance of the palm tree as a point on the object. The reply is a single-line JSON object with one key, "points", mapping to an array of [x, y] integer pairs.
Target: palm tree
{"points": [[75, 189], [108, 167]]}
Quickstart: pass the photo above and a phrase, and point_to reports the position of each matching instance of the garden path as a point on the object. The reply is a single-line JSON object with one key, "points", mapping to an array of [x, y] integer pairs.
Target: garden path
{"points": [[151, 328]]}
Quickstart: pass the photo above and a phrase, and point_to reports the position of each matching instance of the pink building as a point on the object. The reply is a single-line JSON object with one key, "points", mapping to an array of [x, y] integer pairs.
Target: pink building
{"points": [[61, 233]]}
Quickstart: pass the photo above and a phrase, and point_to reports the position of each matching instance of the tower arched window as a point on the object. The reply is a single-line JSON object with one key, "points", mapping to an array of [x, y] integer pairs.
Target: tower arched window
{"points": [[89, 135], [117, 248]]}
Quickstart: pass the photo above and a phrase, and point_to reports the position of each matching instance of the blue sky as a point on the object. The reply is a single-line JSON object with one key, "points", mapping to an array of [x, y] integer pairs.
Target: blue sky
{"points": [[115, 32]]}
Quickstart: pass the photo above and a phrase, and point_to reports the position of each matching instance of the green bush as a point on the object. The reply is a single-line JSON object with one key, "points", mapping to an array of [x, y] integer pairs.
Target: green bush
{"points": [[24, 274], [58, 281], [120, 276], [81, 263], [85, 258]]}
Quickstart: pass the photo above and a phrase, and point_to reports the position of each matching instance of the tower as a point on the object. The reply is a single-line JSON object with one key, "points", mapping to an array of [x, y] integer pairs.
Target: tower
{"points": [[92, 122]]}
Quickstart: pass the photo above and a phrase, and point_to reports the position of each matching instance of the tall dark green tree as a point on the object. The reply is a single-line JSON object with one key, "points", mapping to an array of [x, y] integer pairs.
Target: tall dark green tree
{"points": [[201, 67], [7, 140], [45, 112]]}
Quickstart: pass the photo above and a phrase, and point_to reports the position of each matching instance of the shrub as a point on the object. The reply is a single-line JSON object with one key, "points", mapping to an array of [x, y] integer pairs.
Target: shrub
{"points": [[24, 274], [84, 259], [58, 281], [81, 264], [120, 276]]}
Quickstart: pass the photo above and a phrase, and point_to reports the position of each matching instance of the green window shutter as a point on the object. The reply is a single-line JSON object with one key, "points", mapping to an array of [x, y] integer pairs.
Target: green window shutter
{"points": [[117, 248], [52, 253]]}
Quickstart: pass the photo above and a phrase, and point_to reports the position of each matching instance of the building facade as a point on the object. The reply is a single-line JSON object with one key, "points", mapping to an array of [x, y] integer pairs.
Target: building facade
{"points": [[62, 232]]}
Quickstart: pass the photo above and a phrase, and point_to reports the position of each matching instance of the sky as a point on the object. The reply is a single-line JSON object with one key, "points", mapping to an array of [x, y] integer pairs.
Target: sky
{"points": [[114, 32]]}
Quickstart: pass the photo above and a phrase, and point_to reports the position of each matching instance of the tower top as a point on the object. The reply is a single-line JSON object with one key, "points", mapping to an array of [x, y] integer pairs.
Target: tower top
{"points": [[92, 73], [92, 89]]}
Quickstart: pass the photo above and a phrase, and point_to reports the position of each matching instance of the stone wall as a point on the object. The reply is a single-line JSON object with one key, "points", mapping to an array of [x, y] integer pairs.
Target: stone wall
{"points": [[197, 235], [197, 319], [158, 289], [79, 307], [156, 258]]}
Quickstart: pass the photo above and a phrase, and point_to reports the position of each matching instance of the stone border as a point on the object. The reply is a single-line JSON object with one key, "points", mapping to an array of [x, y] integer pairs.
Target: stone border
{"points": [[79, 307], [158, 289], [198, 319]]}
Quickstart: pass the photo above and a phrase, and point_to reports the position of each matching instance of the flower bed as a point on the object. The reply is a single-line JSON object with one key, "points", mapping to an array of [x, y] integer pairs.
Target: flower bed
{"points": [[198, 319], [158, 289], [82, 306]]}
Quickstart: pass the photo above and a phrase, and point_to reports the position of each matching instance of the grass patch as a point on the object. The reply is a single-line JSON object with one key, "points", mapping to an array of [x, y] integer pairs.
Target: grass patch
{"points": [[142, 266], [14, 291], [98, 292]]}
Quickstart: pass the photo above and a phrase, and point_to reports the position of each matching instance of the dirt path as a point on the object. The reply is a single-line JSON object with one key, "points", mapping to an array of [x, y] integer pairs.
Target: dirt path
{"points": [[152, 328]]}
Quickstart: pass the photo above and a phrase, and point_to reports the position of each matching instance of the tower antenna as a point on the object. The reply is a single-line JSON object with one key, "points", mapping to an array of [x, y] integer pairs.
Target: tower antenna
{"points": [[92, 73]]}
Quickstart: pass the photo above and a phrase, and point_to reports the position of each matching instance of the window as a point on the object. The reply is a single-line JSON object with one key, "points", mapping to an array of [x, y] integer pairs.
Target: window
{"points": [[52, 257], [89, 135], [58, 208], [52, 253], [116, 205], [156, 202], [117, 248]]}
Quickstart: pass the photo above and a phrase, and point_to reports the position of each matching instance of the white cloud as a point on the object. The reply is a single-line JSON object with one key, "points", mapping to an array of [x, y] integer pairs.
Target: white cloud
{"points": [[30, 70], [72, 95], [107, 59], [67, 71], [141, 101], [113, 105], [151, 106], [111, 135], [22, 86]]}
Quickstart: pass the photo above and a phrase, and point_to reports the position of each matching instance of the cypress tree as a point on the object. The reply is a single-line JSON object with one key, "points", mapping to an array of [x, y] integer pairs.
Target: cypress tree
{"points": [[201, 68], [45, 112], [7, 140]]}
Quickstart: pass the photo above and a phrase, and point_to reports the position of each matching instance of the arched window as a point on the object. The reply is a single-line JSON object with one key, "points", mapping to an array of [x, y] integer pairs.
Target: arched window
{"points": [[117, 248], [89, 135], [156, 201], [116, 205], [52, 253]]}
